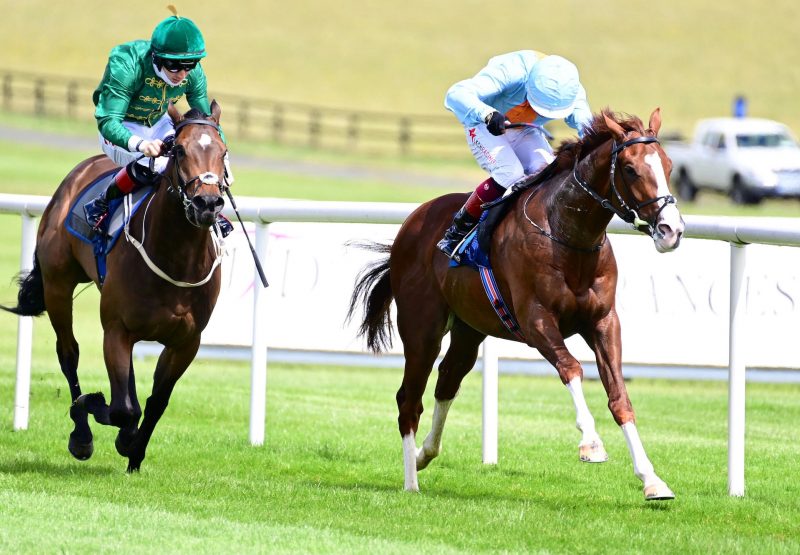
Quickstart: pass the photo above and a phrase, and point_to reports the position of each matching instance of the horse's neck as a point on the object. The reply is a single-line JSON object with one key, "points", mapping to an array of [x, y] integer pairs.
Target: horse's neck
{"points": [[572, 214], [169, 235]]}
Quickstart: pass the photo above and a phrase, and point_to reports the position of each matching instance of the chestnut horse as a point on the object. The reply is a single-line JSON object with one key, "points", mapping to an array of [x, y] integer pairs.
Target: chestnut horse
{"points": [[172, 234], [554, 268]]}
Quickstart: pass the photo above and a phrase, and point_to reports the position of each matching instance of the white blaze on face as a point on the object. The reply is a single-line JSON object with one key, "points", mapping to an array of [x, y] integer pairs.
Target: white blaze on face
{"points": [[204, 140], [670, 215]]}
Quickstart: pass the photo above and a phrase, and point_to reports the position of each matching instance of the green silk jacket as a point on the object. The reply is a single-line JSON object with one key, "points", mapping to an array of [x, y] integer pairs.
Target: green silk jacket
{"points": [[131, 91]]}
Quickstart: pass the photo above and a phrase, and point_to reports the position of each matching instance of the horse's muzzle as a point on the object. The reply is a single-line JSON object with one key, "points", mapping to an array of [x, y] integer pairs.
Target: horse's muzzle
{"points": [[668, 230], [206, 208]]}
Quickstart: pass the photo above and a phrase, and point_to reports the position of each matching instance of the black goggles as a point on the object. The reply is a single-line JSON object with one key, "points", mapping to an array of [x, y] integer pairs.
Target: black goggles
{"points": [[177, 65]]}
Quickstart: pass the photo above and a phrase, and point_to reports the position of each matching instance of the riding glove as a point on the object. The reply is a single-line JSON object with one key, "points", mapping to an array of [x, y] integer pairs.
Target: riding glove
{"points": [[496, 123]]}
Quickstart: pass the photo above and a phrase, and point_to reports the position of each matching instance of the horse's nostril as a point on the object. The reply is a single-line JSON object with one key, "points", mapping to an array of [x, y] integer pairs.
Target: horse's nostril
{"points": [[208, 202], [664, 229]]}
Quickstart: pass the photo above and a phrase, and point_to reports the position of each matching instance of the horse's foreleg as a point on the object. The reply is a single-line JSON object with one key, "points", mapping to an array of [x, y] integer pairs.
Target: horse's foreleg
{"points": [[171, 365], [545, 336], [607, 346], [117, 350], [591, 448], [654, 487]]}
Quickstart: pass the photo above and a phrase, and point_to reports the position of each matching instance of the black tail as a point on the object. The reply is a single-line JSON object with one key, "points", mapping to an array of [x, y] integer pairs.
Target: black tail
{"points": [[373, 290], [30, 299]]}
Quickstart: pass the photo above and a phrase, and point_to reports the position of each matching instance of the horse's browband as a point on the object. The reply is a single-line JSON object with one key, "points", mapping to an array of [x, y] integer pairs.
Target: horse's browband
{"points": [[186, 122], [643, 140]]}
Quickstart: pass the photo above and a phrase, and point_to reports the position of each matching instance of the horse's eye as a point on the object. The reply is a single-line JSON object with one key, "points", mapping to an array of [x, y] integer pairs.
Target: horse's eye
{"points": [[630, 172]]}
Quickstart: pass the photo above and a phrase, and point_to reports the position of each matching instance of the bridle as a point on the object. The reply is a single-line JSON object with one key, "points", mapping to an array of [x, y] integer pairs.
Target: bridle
{"points": [[203, 178], [629, 214], [179, 186]]}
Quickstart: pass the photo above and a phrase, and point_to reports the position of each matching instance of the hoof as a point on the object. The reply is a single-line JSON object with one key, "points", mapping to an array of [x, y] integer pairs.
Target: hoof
{"points": [[593, 452], [424, 459], [79, 450], [124, 441], [658, 492]]}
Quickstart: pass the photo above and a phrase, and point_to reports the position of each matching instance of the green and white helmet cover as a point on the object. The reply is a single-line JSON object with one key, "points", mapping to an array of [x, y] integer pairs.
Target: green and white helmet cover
{"points": [[178, 38]]}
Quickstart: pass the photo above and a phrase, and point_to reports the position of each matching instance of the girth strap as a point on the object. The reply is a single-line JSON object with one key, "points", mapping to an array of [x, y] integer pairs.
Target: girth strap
{"points": [[498, 304]]}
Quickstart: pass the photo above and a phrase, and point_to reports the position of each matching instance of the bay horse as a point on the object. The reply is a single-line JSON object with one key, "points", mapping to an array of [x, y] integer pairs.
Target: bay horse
{"points": [[175, 238], [554, 268]]}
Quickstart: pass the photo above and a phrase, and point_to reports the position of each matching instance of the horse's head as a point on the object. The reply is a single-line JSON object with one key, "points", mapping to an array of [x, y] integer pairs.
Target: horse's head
{"points": [[198, 164], [640, 181]]}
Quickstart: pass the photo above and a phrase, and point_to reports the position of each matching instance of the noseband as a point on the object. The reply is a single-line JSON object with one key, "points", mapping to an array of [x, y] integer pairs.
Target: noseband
{"points": [[626, 213], [207, 178]]}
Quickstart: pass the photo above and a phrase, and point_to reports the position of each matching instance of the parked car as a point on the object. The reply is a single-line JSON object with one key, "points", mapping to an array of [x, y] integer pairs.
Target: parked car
{"points": [[747, 158]]}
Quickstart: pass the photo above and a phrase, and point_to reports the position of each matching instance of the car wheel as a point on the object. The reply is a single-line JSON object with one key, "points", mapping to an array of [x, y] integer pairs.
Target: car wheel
{"points": [[686, 189], [740, 194]]}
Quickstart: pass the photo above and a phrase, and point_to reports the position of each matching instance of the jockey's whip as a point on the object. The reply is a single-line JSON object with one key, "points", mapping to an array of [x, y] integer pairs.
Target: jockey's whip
{"points": [[249, 244]]}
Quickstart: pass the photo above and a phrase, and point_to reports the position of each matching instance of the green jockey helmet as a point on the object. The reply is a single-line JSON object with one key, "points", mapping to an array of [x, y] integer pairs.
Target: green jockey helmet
{"points": [[178, 38]]}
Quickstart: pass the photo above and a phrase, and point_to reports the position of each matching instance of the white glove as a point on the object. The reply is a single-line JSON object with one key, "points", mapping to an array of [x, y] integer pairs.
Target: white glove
{"points": [[151, 149]]}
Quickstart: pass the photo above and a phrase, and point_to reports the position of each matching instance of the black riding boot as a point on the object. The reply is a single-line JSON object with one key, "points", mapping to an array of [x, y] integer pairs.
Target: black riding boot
{"points": [[463, 223], [97, 209]]}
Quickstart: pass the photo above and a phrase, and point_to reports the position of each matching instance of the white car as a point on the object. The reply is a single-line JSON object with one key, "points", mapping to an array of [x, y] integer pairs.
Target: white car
{"points": [[747, 158]]}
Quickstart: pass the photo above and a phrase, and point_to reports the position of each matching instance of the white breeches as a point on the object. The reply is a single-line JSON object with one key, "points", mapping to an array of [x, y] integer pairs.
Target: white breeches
{"points": [[123, 157], [511, 156]]}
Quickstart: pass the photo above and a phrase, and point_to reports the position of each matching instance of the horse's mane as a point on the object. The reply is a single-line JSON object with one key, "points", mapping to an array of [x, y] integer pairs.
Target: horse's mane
{"points": [[596, 134], [195, 113]]}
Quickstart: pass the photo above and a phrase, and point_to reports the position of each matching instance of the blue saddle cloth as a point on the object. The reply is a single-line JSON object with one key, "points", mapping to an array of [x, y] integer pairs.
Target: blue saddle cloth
{"points": [[103, 239], [470, 253]]}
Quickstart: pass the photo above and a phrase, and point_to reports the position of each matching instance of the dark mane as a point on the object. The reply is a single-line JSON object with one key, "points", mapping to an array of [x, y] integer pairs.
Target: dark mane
{"points": [[194, 113], [595, 135]]}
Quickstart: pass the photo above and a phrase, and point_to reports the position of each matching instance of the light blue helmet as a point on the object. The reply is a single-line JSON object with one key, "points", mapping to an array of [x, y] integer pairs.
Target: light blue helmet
{"points": [[552, 87]]}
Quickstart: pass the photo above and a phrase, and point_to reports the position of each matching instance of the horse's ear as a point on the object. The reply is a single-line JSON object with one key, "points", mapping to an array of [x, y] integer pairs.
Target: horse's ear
{"points": [[174, 114], [655, 122], [615, 128], [215, 111]]}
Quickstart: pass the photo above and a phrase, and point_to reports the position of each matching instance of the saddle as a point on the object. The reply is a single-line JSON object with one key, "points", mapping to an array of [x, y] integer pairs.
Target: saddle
{"points": [[105, 237]]}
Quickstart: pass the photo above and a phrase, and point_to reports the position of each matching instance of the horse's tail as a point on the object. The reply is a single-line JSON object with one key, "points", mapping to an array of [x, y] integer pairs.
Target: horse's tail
{"points": [[373, 290], [30, 299]]}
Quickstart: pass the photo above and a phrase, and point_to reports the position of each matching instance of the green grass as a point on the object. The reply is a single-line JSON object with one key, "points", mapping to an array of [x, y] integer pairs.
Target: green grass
{"points": [[329, 478]]}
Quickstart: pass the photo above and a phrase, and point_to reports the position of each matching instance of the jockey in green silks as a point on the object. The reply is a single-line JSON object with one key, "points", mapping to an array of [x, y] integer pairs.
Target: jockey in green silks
{"points": [[140, 80]]}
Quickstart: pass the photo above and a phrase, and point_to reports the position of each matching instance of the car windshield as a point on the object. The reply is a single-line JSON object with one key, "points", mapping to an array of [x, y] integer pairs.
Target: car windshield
{"points": [[770, 140]]}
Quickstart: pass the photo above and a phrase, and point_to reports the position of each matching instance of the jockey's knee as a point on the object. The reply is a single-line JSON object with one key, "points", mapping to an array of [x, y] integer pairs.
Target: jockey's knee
{"points": [[540, 159], [508, 175]]}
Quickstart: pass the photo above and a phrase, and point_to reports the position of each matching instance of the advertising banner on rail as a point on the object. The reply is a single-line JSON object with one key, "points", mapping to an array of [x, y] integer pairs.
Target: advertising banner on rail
{"points": [[673, 307]]}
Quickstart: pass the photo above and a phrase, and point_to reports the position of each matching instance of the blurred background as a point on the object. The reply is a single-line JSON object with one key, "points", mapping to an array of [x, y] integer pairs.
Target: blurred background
{"points": [[366, 80]]}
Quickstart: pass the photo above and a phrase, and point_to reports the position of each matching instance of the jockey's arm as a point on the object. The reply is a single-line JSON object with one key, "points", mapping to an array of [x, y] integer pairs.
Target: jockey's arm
{"points": [[491, 89], [581, 116]]}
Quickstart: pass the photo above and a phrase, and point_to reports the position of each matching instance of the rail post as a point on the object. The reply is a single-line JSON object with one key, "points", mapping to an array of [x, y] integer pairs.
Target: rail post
{"points": [[22, 390], [258, 353], [736, 370]]}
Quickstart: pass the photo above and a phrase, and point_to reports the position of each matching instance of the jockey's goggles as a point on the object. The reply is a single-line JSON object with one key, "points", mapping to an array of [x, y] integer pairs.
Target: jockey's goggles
{"points": [[174, 66]]}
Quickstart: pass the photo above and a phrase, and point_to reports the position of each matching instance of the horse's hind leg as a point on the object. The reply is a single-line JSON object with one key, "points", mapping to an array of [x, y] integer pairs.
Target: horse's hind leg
{"points": [[421, 345], [58, 300], [458, 361]]}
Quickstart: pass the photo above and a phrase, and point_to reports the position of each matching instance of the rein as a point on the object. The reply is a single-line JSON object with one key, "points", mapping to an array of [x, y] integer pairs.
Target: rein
{"points": [[626, 213], [208, 178], [218, 250]]}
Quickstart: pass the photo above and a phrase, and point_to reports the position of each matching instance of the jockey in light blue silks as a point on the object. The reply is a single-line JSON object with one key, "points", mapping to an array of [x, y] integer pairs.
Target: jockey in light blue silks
{"points": [[140, 80], [525, 86]]}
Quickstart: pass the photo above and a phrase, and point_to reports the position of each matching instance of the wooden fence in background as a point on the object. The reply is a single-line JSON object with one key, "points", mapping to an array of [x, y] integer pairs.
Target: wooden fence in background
{"points": [[261, 120]]}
